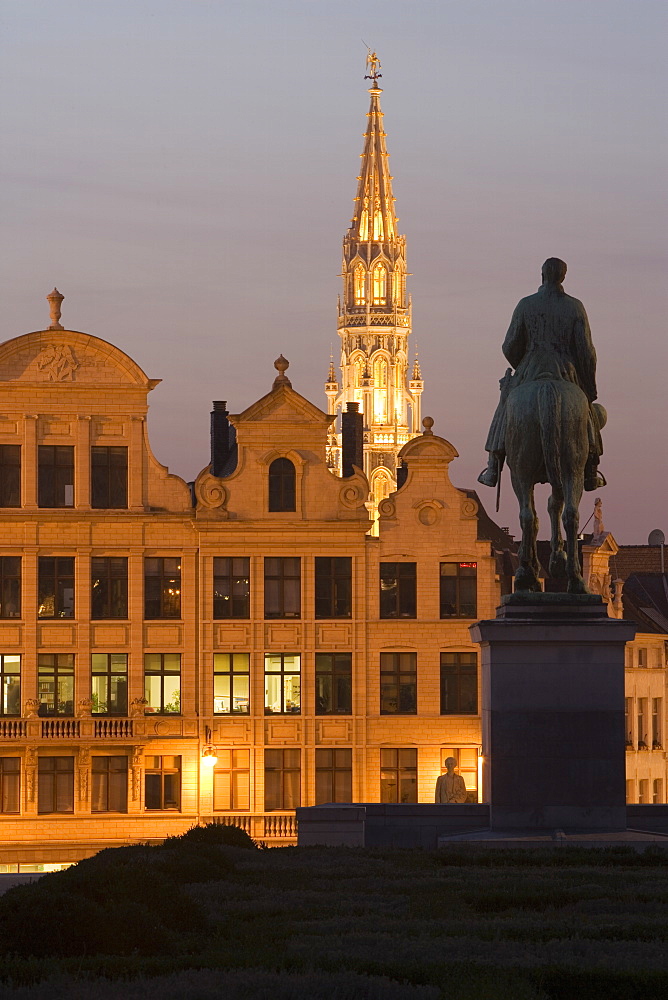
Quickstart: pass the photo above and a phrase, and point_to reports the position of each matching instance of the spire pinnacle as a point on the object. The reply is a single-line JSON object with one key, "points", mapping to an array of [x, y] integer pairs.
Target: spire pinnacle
{"points": [[375, 218]]}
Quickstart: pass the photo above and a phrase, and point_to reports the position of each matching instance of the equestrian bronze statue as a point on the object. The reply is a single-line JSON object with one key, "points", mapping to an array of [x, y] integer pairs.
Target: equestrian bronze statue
{"points": [[547, 425]]}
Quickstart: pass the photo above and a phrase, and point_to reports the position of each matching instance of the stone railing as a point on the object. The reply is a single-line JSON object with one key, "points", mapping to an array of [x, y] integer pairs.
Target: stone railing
{"points": [[12, 729], [67, 729], [275, 827]]}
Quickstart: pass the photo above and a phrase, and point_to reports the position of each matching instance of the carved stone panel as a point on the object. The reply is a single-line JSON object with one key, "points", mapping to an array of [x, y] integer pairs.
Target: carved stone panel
{"points": [[283, 635], [283, 730], [162, 635], [334, 636], [232, 731], [10, 635], [334, 731], [231, 636], [57, 635], [110, 635]]}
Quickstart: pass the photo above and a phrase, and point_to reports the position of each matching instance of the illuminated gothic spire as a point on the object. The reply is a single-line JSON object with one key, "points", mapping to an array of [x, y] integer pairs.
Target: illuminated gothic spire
{"points": [[374, 315], [374, 217]]}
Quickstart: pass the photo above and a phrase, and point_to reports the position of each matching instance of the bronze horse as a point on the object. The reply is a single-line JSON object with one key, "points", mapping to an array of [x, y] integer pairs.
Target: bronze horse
{"points": [[547, 441]]}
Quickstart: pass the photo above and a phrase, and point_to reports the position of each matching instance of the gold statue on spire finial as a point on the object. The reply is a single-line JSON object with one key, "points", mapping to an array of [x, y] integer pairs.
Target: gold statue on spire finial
{"points": [[372, 66]]}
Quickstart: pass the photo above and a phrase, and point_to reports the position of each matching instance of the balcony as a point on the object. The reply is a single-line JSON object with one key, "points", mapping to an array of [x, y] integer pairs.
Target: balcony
{"points": [[274, 828], [66, 729]]}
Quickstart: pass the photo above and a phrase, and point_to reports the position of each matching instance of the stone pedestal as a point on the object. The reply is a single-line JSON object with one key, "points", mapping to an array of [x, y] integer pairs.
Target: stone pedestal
{"points": [[553, 713]]}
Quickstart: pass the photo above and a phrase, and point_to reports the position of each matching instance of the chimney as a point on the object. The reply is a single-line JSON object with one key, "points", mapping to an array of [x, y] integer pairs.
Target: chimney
{"points": [[402, 474], [220, 437], [352, 439]]}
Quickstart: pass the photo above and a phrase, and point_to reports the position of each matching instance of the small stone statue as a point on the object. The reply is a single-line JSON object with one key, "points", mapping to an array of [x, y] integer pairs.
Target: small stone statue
{"points": [[450, 787]]}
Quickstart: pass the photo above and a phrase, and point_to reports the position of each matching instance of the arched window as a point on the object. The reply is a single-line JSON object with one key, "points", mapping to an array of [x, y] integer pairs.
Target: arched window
{"points": [[282, 485], [382, 485], [398, 288], [380, 373], [364, 224], [359, 279], [378, 225], [379, 285]]}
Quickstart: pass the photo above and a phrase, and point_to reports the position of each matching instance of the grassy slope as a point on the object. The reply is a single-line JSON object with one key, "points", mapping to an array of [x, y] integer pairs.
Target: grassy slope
{"points": [[335, 923]]}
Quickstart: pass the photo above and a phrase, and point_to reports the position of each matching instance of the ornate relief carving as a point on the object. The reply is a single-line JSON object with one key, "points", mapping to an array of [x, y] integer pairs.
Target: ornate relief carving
{"points": [[469, 507], [31, 770], [83, 765], [353, 494], [387, 508], [84, 708], [136, 763], [57, 363], [210, 492], [30, 708]]}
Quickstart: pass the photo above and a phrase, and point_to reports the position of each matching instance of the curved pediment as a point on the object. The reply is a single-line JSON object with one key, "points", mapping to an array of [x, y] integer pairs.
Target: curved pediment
{"points": [[65, 357], [429, 446]]}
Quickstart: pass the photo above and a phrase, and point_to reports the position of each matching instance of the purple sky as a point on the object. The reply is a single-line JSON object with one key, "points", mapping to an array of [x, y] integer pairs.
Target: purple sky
{"points": [[184, 171]]}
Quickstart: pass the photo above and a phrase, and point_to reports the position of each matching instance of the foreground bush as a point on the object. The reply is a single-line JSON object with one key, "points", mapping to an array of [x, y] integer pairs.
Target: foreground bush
{"points": [[121, 901]]}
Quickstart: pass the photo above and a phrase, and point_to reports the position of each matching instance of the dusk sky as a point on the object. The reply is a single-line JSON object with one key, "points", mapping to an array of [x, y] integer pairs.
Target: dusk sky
{"points": [[183, 171]]}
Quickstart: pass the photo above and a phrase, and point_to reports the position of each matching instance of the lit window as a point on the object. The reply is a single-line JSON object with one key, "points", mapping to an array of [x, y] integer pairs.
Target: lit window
{"points": [[359, 282], [55, 597], [231, 683], [55, 680], [109, 677], [10, 684], [379, 285], [364, 224], [282, 684], [378, 229], [162, 682]]}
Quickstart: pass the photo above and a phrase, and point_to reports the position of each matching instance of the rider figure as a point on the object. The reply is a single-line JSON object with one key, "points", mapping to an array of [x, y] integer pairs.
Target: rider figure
{"points": [[548, 337]]}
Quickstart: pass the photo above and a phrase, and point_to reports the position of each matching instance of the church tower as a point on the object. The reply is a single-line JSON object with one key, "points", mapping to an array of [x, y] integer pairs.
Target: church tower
{"points": [[374, 318]]}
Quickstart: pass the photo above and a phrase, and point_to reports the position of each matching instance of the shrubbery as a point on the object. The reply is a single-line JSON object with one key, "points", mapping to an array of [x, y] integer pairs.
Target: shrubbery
{"points": [[121, 901]]}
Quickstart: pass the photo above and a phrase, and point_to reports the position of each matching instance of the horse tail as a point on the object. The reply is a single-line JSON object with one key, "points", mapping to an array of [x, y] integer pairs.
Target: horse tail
{"points": [[549, 412]]}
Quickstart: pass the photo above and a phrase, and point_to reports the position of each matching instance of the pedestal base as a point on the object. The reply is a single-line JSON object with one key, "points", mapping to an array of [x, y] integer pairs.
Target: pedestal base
{"points": [[553, 714]]}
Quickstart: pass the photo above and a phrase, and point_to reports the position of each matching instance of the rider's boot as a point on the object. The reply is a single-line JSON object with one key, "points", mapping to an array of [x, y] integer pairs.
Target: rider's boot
{"points": [[593, 479], [490, 475]]}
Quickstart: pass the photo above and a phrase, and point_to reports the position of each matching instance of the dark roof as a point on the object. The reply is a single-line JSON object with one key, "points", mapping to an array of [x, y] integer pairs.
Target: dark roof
{"points": [[646, 601], [637, 559]]}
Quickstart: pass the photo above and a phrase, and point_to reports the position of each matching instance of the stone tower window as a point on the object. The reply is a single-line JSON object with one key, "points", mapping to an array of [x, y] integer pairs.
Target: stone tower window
{"points": [[379, 285]]}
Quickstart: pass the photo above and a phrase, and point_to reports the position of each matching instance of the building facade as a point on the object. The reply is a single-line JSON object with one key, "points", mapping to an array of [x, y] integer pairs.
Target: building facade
{"points": [[147, 628]]}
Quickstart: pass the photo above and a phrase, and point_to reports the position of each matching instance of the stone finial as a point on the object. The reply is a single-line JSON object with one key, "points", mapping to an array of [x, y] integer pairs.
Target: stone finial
{"points": [[55, 300], [281, 365], [428, 423], [417, 372]]}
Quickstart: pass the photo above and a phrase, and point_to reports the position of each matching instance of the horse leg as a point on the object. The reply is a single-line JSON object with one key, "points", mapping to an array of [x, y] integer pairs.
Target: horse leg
{"points": [[526, 577], [555, 505], [573, 486]]}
